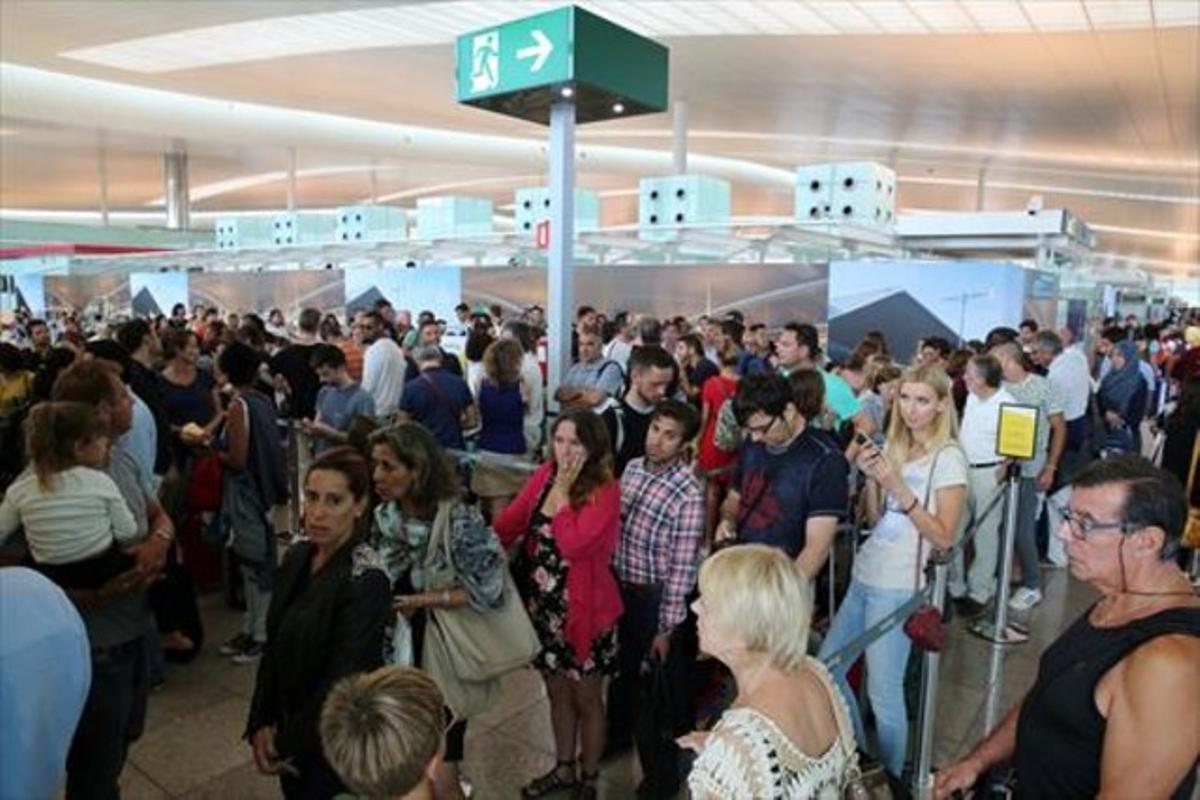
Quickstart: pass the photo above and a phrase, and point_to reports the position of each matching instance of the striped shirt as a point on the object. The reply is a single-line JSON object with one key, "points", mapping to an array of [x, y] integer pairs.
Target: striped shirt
{"points": [[662, 523]]}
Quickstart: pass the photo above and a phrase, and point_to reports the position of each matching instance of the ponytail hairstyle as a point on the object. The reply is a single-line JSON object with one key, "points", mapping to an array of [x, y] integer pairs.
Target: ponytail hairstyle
{"points": [[53, 430]]}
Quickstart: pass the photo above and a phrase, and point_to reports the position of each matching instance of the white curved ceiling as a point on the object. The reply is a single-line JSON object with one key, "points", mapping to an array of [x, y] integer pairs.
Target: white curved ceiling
{"points": [[1095, 104]]}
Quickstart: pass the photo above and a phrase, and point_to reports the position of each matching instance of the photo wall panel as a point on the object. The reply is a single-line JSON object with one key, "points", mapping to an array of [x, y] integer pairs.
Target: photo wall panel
{"points": [[770, 293], [260, 292], [1041, 298], [31, 293], [155, 293], [436, 288], [91, 295], [910, 300]]}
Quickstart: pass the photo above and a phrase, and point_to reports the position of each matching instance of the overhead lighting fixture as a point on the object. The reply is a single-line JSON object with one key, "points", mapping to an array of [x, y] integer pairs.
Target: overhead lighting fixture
{"points": [[567, 91], [426, 24], [618, 108]]}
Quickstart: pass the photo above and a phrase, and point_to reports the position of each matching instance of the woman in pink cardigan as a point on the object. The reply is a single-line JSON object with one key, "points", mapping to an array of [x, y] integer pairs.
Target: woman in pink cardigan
{"points": [[569, 513]]}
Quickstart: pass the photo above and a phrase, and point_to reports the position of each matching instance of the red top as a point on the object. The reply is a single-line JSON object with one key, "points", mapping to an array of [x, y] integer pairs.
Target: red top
{"points": [[587, 538], [713, 394]]}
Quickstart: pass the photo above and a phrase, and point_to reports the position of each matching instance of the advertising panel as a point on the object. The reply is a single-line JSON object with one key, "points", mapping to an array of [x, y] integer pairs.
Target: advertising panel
{"points": [[912, 300]]}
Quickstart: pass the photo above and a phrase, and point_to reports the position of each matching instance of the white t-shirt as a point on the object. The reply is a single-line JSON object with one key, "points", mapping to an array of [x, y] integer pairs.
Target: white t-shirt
{"points": [[383, 374], [888, 559], [980, 423], [78, 518], [1070, 376]]}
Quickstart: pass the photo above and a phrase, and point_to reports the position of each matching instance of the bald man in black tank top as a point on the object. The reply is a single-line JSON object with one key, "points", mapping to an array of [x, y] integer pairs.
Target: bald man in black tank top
{"points": [[1115, 711]]}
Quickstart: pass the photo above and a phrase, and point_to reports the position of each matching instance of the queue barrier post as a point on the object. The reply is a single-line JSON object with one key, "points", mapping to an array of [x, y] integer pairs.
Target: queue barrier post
{"points": [[927, 707], [998, 630], [295, 441]]}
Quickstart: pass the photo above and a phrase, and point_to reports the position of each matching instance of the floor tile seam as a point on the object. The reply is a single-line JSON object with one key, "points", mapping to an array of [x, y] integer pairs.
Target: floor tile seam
{"points": [[150, 779]]}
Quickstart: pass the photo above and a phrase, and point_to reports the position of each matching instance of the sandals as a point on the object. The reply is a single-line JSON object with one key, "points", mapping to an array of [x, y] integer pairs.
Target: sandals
{"points": [[552, 781], [585, 789]]}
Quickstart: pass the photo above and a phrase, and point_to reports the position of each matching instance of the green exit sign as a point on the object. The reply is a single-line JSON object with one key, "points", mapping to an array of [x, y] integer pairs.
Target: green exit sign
{"points": [[521, 67]]}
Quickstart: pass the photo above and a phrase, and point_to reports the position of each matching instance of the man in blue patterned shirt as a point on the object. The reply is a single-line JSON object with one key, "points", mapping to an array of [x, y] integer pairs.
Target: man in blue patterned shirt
{"points": [[662, 523]]}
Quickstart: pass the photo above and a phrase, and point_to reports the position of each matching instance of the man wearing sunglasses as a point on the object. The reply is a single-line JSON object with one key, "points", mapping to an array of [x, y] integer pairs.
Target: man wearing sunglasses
{"points": [[1115, 710]]}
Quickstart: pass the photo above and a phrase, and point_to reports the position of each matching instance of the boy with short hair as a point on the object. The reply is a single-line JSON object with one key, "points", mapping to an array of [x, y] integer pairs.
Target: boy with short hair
{"points": [[382, 733]]}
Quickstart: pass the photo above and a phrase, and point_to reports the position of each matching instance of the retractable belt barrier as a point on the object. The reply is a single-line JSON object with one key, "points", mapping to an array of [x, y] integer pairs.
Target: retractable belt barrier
{"points": [[499, 460], [940, 558]]}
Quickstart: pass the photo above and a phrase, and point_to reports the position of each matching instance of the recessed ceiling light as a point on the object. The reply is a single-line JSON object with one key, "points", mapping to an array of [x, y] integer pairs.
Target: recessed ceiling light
{"points": [[567, 91], [618, 108]]}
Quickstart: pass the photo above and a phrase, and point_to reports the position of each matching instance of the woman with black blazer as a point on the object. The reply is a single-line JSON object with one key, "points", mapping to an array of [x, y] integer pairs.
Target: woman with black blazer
{"points": [[331, 603]]}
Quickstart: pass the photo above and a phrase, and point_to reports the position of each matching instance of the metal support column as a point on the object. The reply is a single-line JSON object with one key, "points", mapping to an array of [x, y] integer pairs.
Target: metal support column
{"points": [[927, 709], [560, 267], [679, 134], [291, 180], [981, 191], [175, 189], [102, 177], [998, 630]]}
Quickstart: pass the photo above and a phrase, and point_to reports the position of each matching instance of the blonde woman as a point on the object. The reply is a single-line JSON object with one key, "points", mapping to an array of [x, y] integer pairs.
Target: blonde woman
{"points": [[787, 734], [916, 492]]}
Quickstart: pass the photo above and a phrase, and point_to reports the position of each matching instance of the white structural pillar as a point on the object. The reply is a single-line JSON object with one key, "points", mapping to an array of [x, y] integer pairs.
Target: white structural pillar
{"points": [[175, 179], [679, 154], [102, 177], [560, 294], [291, 180]]}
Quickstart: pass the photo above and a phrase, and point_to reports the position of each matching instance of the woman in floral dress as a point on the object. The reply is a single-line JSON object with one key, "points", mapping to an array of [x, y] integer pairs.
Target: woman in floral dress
{"points": [[569, 515]]}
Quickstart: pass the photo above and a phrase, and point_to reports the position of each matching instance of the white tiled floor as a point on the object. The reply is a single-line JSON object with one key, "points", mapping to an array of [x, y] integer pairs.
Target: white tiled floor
{"points": [[192, 747]]}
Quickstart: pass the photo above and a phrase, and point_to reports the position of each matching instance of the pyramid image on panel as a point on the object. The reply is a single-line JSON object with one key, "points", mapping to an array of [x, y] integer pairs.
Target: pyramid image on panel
{"points": [[902, 319], [366, 300], [144, 305], [22, 303]]}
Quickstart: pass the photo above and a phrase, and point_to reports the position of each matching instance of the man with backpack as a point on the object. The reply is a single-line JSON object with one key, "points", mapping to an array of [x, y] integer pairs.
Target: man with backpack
{"points": [[651, 372]]}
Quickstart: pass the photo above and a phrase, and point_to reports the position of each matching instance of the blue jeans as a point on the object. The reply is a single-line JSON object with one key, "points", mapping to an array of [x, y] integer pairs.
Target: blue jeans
{"points": [[1026, 542], [887, 660]]}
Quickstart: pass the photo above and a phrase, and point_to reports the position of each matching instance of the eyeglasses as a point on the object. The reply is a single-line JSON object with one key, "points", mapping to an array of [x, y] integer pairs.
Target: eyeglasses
{"points": [[761, 430], [1082, 526]]}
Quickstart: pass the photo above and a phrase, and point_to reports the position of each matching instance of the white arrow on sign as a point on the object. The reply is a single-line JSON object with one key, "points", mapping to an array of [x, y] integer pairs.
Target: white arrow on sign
{"points": [[539, 51]]}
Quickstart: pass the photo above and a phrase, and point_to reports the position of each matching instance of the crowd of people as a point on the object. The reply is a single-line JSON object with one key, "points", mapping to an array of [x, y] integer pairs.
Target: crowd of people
{"points": [[651, 549]]}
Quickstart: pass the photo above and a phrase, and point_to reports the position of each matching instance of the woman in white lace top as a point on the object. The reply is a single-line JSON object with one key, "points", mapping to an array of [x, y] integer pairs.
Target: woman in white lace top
{"points": [[787, 734]]}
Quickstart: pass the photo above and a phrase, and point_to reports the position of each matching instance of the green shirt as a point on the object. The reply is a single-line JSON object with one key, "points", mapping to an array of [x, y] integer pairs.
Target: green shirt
{"points": [[840, 402]]}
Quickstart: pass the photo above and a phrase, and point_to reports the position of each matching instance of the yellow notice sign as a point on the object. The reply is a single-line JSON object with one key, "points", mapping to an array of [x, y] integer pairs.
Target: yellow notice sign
{"points": [[1017, 435]]}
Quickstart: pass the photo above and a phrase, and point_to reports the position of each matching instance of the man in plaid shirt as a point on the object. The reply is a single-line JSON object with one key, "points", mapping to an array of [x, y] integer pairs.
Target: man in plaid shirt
{"points": [[662, 522]]}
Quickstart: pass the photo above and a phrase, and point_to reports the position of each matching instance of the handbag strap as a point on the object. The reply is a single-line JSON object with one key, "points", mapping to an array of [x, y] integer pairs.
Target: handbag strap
{"points": [[925, 505], [439, 534], [1191, 481], [436, 388]]}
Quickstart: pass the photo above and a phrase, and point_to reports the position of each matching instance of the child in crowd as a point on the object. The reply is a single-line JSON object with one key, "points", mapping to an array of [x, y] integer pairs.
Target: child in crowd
{"points": [[75, 519], [382, 733]]}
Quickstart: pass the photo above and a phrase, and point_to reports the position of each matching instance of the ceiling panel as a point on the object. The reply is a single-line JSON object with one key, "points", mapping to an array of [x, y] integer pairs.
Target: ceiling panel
{"points": [[1106, 111]]}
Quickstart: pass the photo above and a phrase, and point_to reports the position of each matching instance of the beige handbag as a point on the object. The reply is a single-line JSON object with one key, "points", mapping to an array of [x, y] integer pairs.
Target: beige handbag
{"points": [[467, 650]]}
